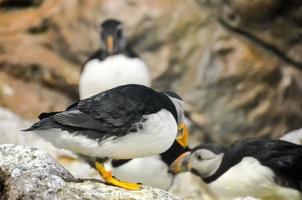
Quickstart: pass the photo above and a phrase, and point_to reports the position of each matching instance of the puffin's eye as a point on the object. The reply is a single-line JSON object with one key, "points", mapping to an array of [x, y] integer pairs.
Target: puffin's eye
{"points": [[204, 154], [198, 157]]}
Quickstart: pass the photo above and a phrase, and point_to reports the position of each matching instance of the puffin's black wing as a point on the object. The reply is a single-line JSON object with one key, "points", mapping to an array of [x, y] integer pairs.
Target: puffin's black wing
{"points": [[129, 52], [115, 111], [284, 158]]}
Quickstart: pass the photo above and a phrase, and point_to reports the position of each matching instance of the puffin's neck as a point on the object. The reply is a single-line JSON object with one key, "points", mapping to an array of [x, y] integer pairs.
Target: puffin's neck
{"points": [[173, 152]]}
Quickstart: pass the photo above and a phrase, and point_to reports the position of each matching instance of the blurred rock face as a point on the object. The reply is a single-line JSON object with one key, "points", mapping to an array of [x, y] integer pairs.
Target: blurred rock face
{"points": [[235, 82]]}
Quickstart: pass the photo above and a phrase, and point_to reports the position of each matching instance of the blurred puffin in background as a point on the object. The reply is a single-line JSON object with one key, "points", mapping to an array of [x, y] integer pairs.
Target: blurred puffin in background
{"points": [[261, 168], [153, 170], [113, 65]]}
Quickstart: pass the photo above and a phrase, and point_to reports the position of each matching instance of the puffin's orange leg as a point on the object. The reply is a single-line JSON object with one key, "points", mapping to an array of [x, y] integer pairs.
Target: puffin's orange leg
{"points": [[109, 179]]}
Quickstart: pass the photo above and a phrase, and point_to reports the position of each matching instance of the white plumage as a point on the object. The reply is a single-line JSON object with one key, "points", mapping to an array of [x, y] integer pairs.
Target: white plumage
{"points": [[151, 171], [113, 71], [250, 177]]}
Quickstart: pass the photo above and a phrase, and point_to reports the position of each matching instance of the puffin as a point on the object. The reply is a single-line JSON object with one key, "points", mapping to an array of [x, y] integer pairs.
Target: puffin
{"points": [[113, 65], [262, 168], [125, 122], [149, 166]]}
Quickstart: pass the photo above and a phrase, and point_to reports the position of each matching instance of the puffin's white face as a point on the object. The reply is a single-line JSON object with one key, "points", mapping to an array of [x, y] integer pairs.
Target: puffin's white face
{"points": [[204, 162], [182, 135], [179, 105]]}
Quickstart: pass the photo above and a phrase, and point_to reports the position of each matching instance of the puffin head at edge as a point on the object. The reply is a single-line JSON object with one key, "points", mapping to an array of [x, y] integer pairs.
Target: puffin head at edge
{"points": [[112, 36], [204, 160]]}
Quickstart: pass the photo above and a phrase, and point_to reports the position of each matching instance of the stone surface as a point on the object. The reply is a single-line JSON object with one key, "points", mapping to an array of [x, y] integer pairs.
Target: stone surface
{"points": [[27, 173], [239, 80]]}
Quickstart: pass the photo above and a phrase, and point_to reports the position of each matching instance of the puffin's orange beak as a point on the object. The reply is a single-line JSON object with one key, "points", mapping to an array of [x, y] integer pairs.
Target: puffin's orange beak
{"points": [[181, 164], [182, 138], [109, 43]]}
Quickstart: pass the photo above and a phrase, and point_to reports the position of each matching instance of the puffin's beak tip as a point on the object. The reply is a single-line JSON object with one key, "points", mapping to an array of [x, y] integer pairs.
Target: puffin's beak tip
{"points": [[181, 164], [109, 43]]}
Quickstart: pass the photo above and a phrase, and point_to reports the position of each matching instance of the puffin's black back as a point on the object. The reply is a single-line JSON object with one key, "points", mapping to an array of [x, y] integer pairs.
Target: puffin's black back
{"points": [[284, 158], [115, 111], [133, 99]]}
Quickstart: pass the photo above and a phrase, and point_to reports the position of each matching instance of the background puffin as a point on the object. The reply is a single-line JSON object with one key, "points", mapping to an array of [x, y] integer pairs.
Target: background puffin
{"points": [[262, 168], [143, 170], [122, 123], [113, 65]]}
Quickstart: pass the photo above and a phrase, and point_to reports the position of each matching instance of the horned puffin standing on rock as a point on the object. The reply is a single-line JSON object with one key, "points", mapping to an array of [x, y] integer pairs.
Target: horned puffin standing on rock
{"points": [[261, 168], [113, 65], [121, 123]]}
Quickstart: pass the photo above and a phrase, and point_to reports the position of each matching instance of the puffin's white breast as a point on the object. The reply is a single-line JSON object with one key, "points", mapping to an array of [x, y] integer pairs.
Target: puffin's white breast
{"points": [[158, 133], [250, 178], [98, 76], [151, 171]]}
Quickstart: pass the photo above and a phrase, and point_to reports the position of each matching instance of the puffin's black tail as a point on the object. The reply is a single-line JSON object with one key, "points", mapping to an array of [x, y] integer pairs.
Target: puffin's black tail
{"points": [[46, 122], [45, 115]]}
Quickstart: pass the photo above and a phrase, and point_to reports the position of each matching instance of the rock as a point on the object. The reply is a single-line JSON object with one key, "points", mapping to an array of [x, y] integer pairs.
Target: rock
{"points": [[27, 173], [13, 91]]}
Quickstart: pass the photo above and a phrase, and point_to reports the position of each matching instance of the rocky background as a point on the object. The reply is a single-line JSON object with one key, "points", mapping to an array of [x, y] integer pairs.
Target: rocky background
{"points": [[237, 63]]}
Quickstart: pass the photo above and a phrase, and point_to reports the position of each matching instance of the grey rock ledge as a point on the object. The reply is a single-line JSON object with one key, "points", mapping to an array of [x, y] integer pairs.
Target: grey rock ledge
{"points": [[29, 174]]}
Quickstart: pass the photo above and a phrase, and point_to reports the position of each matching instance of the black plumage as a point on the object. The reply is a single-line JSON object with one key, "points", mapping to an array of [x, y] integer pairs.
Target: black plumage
{"points": [[167, 157], [173, 152]]}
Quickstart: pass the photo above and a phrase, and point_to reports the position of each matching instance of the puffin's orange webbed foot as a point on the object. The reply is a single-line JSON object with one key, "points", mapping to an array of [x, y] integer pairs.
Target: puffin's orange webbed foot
{"points": [[109, 179]]}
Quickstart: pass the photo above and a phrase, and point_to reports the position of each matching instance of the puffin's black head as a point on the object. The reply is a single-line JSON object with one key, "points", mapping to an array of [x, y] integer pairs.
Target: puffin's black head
{"points": [[112, 37], [173, 94], [204, 160], [215, 148]]}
